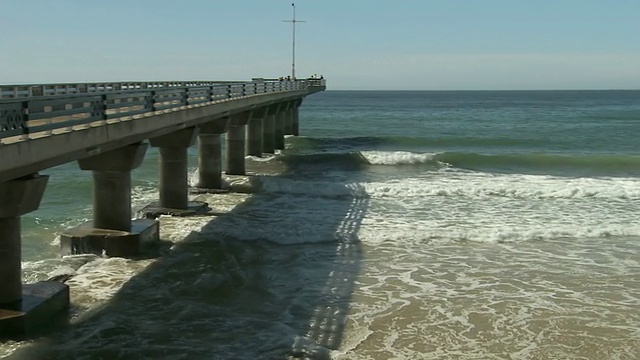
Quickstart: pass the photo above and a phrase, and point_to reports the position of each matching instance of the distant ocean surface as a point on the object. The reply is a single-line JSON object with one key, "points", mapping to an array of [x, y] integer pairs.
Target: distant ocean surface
{"points": [[399, 225]]}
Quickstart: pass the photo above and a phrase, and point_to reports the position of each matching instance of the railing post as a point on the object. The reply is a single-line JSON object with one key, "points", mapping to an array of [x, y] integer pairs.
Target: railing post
{"points": [[25, 119], [228, 91], [103, 106], [152, 103], [185, 96]]}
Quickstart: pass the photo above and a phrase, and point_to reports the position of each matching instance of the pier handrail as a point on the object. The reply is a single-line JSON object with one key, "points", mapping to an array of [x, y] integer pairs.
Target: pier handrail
{"points": [[28, 109]]}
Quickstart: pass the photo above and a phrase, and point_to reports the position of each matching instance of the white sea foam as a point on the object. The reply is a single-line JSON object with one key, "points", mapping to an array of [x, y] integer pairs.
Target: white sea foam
{"points": [[261, 159], [268, 184], [425, 233], [396, 157], [467, 185]]}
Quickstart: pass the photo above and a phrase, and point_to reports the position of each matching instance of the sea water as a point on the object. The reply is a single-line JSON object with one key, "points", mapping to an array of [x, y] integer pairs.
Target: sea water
{"points": [[399, 225]]}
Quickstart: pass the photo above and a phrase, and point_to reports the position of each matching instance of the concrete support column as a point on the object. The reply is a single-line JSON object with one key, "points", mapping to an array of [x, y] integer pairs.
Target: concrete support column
{"points": [[268, 129], [112, 185], [288, 121], [295, 119], [235, 143], [174, 177], [112, 200], [254, 133], [112, 231], [10, 260], [17, 197], [279, 127], [210, 153], [24, 308]]}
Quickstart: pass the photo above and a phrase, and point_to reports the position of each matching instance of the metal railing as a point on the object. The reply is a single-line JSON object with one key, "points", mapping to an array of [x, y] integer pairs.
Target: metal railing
{"points": [[28, 109]]}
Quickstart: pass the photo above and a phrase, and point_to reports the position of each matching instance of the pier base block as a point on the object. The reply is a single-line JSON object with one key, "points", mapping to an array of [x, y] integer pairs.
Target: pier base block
{"points": [[86, 239], [44, 305], [154, 210], [201, 190]]}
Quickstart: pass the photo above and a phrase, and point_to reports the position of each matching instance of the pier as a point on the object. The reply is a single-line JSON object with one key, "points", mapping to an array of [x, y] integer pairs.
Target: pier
{"points": [[107, 128]]}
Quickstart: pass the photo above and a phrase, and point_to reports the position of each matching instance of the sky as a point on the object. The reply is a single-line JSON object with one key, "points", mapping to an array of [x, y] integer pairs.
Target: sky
{"points": [[354, 44]]}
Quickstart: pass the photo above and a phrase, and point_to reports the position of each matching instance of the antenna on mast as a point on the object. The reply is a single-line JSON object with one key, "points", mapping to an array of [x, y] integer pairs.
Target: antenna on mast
{"points": [[293, 22]]}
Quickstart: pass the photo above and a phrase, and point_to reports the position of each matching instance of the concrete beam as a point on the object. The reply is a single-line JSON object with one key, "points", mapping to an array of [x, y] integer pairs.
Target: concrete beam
{"points": [[20, 158]]}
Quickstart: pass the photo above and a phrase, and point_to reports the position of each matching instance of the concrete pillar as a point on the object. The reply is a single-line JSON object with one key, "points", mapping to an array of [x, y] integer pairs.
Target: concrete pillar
{"points": [[279, 127], [295, 126], [10, 257], [112, 231], [174, 176], [29, 308], [254, 132], [17, 197], [112, 200], [268, 128], [210, 153], [235, 143], [288, 120], [112, 185]]}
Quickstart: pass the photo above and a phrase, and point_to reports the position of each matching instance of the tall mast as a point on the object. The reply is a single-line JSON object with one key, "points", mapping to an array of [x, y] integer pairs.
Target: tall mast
{"points": [[293, 22]]}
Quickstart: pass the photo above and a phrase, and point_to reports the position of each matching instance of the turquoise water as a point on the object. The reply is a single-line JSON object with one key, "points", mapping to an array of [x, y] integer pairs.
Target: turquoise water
{"points": [[399, 225]]}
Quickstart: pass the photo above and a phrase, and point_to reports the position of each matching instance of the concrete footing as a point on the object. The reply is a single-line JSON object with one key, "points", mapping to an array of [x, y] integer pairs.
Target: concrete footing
{"points": [[154, 210], [203, 190], [44, 306], [86, 239]]}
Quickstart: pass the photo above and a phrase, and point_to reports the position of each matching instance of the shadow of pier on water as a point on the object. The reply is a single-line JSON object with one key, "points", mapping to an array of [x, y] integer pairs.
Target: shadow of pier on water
{"points": [[269, 278]]}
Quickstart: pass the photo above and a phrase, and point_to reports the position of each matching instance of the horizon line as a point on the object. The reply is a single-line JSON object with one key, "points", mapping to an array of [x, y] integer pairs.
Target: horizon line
{"points": [[460, 90]]}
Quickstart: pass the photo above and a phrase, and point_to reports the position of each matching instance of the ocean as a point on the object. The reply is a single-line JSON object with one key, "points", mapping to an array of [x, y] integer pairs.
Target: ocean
{"points": [[398, 225]]}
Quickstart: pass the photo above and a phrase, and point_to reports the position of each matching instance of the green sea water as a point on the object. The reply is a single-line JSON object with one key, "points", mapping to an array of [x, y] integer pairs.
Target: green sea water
{"points": [[399, 225]]}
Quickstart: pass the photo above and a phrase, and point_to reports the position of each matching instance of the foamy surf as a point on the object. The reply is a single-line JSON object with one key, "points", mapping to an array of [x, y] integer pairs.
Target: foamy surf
{"points": [[451, 184], [397, 158]]}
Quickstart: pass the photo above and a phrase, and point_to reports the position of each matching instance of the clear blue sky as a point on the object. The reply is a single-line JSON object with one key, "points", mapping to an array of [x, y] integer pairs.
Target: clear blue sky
{"points": [[355, 44]]}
